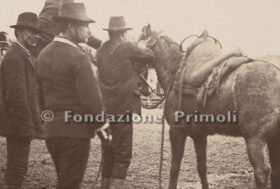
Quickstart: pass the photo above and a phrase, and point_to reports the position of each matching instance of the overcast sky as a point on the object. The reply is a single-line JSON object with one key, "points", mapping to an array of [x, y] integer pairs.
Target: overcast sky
{"points": [[252, 25]]}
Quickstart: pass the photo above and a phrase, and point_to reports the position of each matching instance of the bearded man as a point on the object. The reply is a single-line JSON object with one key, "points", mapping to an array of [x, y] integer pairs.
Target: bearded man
{"points": [[68, 83]]}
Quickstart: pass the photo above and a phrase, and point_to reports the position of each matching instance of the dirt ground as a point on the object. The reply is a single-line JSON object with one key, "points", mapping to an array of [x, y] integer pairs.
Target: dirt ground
{"points": [[228, 165]]}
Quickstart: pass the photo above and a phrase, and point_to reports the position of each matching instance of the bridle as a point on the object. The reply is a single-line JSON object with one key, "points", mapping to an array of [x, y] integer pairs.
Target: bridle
{"points": [[150, 44]]}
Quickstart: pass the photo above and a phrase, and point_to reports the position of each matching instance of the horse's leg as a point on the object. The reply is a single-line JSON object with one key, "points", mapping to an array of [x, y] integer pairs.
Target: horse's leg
{"points": [[274, 154], [257, 155], [200, 144], [177, 138]]}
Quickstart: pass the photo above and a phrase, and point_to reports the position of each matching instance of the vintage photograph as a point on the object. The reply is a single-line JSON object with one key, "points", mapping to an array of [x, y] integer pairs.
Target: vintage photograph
{"points": [[150, 94]]}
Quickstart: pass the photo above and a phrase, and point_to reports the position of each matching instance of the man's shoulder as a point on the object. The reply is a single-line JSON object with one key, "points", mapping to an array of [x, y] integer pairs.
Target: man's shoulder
{"points": [[14, 49], [104, 46], [112, 46], [61, 49], [14, 53], [126, 47]]}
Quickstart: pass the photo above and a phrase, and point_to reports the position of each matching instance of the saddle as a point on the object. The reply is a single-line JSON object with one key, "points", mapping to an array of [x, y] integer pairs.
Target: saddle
{"points": [[212, 84]]}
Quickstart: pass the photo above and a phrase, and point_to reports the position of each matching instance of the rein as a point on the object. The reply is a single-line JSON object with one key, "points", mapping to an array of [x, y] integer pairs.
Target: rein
{"points": [[150, 44]]}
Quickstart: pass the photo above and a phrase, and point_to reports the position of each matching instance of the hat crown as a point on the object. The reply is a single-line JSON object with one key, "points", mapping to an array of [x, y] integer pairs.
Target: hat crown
{"points": [[71, 7], [117, 23], [27, 19], [73, 11]]}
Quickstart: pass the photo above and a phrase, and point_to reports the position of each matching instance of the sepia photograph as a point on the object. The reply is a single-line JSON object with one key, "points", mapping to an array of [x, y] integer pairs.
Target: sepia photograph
{"points": [[150, 94]]}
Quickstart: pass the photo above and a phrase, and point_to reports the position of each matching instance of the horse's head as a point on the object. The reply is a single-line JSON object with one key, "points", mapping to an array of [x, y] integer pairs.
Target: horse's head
{"points": [[150, 37], [147, 33], [166, 51]]}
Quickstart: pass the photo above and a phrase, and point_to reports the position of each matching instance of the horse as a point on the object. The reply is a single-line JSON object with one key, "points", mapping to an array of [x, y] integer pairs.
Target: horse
{"points": [[252, 90]]}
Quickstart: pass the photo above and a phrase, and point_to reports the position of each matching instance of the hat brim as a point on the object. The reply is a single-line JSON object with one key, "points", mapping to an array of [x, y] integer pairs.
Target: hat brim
{"points": [[26, 26], [62, 19], [117, 29]]}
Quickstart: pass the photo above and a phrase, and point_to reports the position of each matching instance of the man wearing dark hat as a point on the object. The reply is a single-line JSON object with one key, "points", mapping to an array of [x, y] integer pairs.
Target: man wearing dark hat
{"points": [[4, 45], [19, 91], [49, 26], [3, 36], [119, 81], [67, 78]]}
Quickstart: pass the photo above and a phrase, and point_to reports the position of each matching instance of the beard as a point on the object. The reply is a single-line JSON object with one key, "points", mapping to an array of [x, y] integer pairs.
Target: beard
{"points": [[31, 44], [79, 37]]}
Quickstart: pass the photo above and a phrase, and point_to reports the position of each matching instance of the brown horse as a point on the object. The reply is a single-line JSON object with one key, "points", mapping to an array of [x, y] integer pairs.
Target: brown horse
{"points": [[253, 90]]}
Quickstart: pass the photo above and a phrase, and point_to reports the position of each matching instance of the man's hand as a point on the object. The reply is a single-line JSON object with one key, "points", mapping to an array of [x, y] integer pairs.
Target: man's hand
{"points": [[142, 44], [104, 133]]}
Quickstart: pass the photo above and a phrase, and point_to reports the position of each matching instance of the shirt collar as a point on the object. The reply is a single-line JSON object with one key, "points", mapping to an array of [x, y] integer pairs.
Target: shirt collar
{"points": [[23, 48], [64, 40]]}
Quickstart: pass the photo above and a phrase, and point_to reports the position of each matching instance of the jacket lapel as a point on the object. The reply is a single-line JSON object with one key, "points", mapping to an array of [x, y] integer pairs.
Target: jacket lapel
{"points": [[31, 59]]}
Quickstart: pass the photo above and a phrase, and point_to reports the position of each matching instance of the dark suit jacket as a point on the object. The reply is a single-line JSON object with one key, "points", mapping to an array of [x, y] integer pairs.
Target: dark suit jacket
{"points": [[67, 80], [116, 65], [20, 91]]}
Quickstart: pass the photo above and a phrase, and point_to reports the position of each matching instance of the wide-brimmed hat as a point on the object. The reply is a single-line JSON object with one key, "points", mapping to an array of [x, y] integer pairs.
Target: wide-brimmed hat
{"points": [[73, 12], [27, 20], [117, 23]]}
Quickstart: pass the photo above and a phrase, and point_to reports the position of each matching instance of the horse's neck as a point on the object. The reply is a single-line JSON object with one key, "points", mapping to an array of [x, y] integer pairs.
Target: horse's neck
{"points": [[166, 63], [162, 73]]}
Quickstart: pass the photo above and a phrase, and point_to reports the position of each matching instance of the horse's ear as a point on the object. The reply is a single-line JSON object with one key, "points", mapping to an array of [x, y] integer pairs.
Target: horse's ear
{"points": [[148, 29]]}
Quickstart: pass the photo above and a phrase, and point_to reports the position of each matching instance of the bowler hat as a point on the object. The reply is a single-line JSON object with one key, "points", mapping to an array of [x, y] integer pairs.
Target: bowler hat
{"points": [[27, 20], [3, 36], [117, 23], [73, 12]]}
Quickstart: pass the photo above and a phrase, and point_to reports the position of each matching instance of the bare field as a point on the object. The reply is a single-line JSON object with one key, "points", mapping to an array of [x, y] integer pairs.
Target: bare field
{"points": [[228, 165]]}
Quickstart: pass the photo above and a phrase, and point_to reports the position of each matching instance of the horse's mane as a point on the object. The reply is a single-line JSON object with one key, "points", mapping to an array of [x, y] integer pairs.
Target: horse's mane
{"points": [[168, 40], [172, 51]]}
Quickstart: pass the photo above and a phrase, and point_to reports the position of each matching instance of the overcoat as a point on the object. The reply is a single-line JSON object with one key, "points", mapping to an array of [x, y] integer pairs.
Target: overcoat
{"points": [[19, 88], [68, 83]]}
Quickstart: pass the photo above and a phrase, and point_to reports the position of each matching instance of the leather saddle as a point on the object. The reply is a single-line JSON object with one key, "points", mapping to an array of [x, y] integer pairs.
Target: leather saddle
{"points": [[199, 52]]}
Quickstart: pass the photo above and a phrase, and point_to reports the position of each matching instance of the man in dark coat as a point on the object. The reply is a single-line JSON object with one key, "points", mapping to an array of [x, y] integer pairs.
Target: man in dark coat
{"points": [[119, 82], [19, 90], [66, 75]]}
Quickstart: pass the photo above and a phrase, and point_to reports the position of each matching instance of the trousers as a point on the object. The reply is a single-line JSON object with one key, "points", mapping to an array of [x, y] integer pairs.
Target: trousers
{"points": [[17, 161], [117, 156], [70, 157]]}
